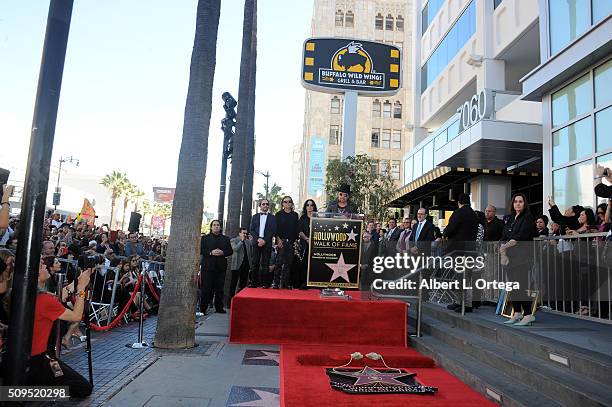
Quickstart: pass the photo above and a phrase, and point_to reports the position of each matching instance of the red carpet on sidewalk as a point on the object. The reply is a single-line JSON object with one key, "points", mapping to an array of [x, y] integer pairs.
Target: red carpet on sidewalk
{"points": [[301, 317], [304, 382]]}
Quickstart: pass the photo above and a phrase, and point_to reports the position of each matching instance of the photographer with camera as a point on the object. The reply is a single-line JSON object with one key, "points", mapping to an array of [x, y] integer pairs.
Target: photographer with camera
{"points": [[45, 370]]}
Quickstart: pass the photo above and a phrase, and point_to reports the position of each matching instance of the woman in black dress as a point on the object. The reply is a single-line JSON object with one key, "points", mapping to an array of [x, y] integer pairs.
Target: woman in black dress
{"points": [[310, 207], [517, 258]]}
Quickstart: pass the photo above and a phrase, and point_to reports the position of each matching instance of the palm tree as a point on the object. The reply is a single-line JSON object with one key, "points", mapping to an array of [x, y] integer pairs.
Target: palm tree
{"points": [[146, 210], [165, 211], [274, 196], [239, 142], [128, 193], [115, 183], [249, 167], [176, 320]]}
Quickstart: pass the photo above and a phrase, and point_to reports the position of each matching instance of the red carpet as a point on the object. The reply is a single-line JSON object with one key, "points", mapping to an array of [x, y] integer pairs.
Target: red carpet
{"points": [[304, 382], [302, 317]]}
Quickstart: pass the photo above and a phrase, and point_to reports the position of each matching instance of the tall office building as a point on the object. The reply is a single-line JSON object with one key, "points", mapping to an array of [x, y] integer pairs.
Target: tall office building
{"points": [[472, 130], [573, 84], [384, 123]]}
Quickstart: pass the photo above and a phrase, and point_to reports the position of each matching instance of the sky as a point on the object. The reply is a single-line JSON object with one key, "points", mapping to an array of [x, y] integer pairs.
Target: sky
{"points": [[125, 83]]}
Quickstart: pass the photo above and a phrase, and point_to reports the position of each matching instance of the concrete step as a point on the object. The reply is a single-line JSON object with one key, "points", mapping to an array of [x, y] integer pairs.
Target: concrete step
{"points": [[591, 364], [557, 382], [492, 383]]}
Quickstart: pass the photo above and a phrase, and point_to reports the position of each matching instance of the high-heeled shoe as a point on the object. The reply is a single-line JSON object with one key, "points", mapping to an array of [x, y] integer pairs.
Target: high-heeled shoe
{"points": [[526, 321], [515, 318]]}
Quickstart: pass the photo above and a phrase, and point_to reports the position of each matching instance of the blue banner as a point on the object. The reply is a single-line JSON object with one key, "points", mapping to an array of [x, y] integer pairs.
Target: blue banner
{"points": [[316, 166]]}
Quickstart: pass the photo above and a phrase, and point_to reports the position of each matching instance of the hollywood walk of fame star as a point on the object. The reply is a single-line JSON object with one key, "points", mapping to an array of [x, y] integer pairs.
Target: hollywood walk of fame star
{"points": [[351, 235], [273, 356], [340, 269], [336, 227], [371, 376], [345, 225], [266, 399]]}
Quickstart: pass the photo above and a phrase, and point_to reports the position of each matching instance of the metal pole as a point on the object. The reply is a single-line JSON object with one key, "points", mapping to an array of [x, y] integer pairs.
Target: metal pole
{"points": [[349, 124], [221, 208], [58, 181], [27, 259], [112, 301], [58, 333]]}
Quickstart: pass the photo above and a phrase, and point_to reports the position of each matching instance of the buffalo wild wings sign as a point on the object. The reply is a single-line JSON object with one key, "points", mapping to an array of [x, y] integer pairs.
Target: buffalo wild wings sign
{"points": [[336, 65]]}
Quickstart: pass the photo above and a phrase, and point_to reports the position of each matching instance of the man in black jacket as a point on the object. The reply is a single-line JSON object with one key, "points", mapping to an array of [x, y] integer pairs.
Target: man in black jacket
{"points": [[602, 190], [461, 234], [422, 234], [214, 248], [286, 234], [494, 226], [391, 238], [263, 229]]}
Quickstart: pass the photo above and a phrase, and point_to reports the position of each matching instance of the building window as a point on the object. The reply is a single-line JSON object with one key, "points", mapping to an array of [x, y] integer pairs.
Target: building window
{"points": [[389, 23], [396, 141], [349, 20], [572, 142], [455, 39], [374, 167], [428, 157], [387, 109], [574, 185], [397, 110], [601, 9], [603, 79], [395, 170], [376, 108], [399, 23], [418, 164], [375, 138], [440, 140], [408, 170], [378, 22], [386, 138], [335, 135], [568, 19], [339, 18], [603, 124], [384, 167], [335, 105], [429, 12], [572, 101]]}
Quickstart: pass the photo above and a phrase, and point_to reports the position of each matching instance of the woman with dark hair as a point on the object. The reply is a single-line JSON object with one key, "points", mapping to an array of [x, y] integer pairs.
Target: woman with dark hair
{"points": [[309, 208], [542, 225], [586, 223], [517, 258]]}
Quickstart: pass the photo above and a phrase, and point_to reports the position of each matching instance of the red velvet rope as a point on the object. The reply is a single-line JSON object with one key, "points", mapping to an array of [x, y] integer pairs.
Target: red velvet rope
{"points": [[125, 309], [152, 289]]}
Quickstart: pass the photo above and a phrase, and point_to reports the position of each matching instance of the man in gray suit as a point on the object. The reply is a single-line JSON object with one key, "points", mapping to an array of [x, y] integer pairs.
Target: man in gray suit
{"points": [[240, 262]]}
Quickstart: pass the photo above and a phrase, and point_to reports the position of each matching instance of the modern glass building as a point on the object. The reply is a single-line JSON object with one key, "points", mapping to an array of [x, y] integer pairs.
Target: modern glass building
{"points": [[573, 83]]}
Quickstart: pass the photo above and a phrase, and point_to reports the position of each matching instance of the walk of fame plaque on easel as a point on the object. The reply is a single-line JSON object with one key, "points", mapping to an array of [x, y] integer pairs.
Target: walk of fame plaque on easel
{"points": [[335, 248]]}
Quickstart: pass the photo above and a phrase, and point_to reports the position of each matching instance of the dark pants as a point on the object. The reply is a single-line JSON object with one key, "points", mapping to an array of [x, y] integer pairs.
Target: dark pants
{"points": [[239, 278], [41, 375], [213, 282], [303, 277], [260, 267], [284, 260]]}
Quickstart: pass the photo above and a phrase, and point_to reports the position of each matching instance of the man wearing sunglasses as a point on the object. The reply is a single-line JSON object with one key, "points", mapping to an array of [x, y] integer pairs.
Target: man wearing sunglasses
{"points": [[342, 205], [286, 234], [263, 228]]}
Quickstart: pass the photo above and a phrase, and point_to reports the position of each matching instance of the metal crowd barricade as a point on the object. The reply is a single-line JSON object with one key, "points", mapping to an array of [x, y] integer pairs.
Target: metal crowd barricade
{"points": [[574, 274], [102, 310]]}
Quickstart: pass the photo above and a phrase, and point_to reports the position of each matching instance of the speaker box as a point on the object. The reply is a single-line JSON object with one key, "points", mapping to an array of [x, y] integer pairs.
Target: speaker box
{"points": [[134, 225]]}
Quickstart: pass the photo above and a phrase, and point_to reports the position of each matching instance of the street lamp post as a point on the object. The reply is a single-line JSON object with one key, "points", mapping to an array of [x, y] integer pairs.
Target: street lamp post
{"points": [[56, 195], [267, 175]]}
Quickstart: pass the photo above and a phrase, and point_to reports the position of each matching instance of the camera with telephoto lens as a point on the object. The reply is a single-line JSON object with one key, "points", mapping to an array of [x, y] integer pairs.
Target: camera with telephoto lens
{"points": [[88, 262]]}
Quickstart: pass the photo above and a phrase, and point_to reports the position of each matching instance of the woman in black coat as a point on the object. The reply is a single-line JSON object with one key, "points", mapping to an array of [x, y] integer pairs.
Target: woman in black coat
{"points": [[517, 258]]}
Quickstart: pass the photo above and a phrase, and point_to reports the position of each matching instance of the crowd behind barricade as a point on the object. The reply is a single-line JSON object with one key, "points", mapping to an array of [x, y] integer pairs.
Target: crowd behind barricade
{"points": [[79, 261]]}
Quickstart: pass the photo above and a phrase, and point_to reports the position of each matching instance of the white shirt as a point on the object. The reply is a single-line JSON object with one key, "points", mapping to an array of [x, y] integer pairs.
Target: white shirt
{"points": [[5, 236], [57, 223], [262, 223]]}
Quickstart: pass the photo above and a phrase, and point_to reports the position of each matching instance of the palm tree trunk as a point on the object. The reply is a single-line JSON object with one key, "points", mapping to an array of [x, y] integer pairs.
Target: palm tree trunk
{"points": [[234, 197], [176, 320], [113, 204], [125, 204], [247, 188]]}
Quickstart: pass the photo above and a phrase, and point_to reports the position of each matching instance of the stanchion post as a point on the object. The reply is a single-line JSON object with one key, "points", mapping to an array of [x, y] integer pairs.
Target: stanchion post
{"points": [[141, 343], [58, 333]]}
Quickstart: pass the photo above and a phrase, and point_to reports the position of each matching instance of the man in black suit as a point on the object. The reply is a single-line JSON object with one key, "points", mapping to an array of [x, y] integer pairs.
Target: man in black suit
{"points": [[422, 234], [494, 226], [263, 228], [369, 250], [214, 248], [461, 234], [391, 238]]}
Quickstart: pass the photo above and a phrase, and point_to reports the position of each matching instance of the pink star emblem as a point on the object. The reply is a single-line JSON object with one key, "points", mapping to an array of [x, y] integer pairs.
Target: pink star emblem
{"points": [[340, 269]]}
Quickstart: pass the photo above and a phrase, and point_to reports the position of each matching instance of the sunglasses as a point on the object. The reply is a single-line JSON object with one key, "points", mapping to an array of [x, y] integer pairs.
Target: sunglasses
{"points": [[309, 204], [287, 201], [265, 204]]}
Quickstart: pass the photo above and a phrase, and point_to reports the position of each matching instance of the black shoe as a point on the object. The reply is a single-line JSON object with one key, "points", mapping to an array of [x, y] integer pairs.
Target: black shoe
{"points": [[275, 286], [252, 285], [265, 286], [303, 287], [221, 311], [467, 309], [453, 307]]}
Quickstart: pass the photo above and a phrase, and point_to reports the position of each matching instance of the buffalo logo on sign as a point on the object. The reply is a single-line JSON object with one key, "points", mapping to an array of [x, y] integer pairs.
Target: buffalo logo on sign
{"points": [[335, 65]]}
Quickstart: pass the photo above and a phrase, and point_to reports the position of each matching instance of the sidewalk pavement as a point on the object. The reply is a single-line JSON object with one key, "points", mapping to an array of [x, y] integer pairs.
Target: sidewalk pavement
{"points": [[213, 374]]}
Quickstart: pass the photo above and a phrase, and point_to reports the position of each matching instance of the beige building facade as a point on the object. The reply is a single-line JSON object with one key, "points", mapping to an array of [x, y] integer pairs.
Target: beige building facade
{"points": [[384, 124]]}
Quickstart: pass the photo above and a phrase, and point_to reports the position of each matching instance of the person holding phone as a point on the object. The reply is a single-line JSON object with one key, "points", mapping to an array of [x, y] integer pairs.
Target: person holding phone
{"points": [[45, 369]]}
